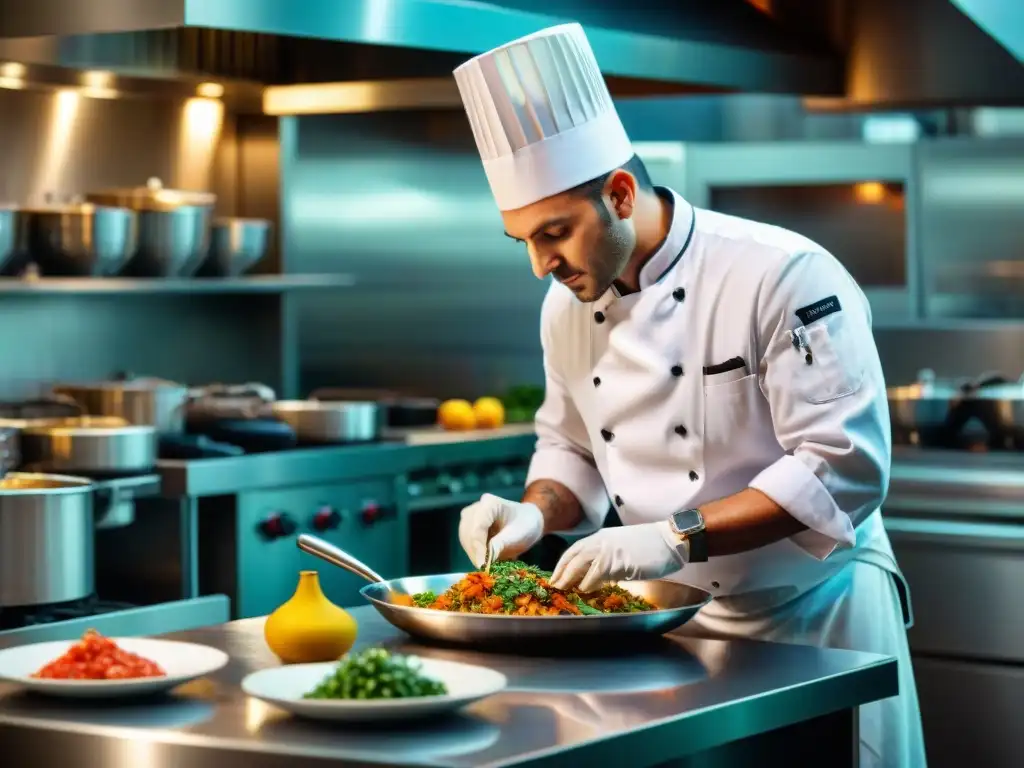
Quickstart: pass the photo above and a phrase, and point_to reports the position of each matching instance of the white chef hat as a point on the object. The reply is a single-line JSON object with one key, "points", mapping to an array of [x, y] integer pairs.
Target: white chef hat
{"points": [[542, 116]]}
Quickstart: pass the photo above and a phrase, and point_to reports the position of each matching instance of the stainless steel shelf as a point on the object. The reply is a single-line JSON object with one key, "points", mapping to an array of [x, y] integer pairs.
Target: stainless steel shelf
{"points": [[154, 285]]}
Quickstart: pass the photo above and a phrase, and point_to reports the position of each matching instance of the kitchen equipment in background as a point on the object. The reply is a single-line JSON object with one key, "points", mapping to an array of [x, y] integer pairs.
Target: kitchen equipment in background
{"points": [[236, 245], [231, 419], [212, 402], [13, 241], [149, 402], [251, 435], [10, 449], [986, 412], [78, 240], [677, 604], [319, 422], [99, 446], [399, 410], [24, 413], [119, 457], [46, 539], [174, 227]]}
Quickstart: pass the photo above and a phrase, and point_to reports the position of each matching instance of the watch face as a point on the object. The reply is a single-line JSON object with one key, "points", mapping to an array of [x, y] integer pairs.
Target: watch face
{"points": [[687, 521]]}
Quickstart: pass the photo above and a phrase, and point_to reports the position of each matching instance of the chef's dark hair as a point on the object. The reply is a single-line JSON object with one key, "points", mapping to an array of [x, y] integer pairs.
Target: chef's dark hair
{"points": [[592, 189]]}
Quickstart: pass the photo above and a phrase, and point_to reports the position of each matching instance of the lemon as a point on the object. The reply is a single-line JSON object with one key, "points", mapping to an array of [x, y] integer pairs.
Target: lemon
{"points": [[456, 415], [489, 412]]}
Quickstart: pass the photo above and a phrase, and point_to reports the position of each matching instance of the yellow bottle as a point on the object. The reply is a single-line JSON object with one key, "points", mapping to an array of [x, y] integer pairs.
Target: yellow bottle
{"points": [[309, 628]]}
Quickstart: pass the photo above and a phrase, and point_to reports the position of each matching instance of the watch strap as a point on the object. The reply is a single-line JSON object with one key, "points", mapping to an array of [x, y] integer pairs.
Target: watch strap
{"points": [[698, 542]]}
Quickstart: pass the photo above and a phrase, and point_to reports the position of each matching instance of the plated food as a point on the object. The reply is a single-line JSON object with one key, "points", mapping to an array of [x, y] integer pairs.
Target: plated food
{"points": [[95, 666], [377, 674], [373, 685], [95, 657], [514, 588]]}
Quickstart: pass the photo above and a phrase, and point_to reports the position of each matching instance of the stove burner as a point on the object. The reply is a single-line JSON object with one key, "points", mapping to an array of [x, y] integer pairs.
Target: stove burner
{"points": [[28, 616]]}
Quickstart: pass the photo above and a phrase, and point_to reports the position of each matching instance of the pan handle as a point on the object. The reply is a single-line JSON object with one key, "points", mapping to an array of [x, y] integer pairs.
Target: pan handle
{"points": [[326, 551]]}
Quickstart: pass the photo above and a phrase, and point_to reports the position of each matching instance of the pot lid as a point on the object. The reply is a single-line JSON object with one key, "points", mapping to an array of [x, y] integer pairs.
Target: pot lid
{"points": [[152, 197]]}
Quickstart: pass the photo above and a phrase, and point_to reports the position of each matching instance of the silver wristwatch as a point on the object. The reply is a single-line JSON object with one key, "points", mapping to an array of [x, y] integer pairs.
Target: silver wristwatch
{"points": [[688, 525]]}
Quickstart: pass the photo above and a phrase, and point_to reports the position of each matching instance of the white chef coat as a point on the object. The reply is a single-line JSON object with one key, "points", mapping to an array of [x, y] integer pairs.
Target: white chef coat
{"points": [[643, 407], [634, 410]]}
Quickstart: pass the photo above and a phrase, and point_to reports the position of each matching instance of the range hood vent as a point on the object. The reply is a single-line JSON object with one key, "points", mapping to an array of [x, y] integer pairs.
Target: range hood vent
{"points": [[1002, 19], [643, 46]]}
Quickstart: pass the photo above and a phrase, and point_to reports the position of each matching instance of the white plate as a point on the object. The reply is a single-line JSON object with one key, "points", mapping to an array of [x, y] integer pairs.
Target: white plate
{"points": [[181, 661], [284, 687]]}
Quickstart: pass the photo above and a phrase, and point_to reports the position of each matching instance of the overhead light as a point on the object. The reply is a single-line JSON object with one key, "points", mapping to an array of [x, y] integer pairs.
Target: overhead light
{"points": [[210, 90], [367, 96], [869, 192]]}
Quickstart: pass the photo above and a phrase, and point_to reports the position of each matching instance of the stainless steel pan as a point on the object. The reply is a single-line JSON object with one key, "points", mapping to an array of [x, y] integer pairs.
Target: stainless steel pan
{"points": [[329, 422], [678, 603]]}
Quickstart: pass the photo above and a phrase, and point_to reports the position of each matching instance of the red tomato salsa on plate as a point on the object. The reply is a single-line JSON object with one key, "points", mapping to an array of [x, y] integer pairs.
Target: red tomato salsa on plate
{"points": [[95, 657]]}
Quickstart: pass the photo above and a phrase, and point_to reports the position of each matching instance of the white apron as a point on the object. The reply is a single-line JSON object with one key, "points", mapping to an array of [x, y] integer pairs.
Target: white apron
{"points": [[745, 360]]}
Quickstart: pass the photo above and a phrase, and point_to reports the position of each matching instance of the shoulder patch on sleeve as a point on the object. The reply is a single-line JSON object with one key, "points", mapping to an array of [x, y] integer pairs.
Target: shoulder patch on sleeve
{"points": [[819, 309]]}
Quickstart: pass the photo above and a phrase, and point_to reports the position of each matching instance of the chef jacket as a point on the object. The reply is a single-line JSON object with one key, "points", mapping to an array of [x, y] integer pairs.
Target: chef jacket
{"points": [[745, 360]]}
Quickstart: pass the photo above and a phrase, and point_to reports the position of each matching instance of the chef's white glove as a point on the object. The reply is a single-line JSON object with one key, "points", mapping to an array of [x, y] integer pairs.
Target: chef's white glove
{"points": [[629, 553], [515, 526]]}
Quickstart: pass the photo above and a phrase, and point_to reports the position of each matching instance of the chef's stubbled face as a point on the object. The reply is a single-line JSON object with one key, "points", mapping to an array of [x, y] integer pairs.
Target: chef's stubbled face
{"points": [[579, 240]]}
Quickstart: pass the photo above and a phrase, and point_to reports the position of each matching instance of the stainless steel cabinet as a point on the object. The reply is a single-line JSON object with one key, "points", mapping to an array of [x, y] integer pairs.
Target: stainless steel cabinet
{"points": [[971, 713], [967, 642]]}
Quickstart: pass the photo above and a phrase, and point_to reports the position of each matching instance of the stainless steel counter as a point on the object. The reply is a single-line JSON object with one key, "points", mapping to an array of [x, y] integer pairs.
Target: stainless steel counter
{"points": [[663, 701], [956, 483]]}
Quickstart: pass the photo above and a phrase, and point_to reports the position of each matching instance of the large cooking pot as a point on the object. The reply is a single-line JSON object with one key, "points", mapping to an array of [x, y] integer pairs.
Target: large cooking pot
{"points": [[46, 539], [318, 422], [174, 227], [81, 240], [90, 445], [148, 402], [400, 410]]}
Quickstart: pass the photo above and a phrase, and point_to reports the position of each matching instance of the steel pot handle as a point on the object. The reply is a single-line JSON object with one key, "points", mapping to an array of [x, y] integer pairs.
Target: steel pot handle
{"points": [[336, 556]]}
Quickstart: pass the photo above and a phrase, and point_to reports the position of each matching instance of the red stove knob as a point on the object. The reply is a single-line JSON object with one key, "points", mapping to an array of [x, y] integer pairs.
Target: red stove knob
{"points": [[277, 526], [326, 519], [371, 512]]}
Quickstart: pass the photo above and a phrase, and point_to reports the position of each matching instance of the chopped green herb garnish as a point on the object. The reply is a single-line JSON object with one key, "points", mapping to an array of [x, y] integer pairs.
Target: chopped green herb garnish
{"points": [[376, 674], [423, 599]]}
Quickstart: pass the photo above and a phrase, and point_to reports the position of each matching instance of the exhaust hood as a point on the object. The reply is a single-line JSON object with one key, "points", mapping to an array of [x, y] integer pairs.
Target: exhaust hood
{"points": [[918, 54], [1002, 19], [644, 46]]}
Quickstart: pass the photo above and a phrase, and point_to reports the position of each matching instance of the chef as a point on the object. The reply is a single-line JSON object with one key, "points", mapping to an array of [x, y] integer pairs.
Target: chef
{"points": [[714, 378]]}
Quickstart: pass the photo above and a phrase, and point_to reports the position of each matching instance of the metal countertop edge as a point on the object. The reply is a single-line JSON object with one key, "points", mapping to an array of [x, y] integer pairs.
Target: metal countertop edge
{"points": [[698, 730]]}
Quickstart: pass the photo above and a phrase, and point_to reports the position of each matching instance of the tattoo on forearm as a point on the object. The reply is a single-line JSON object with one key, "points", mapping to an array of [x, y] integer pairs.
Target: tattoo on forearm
{"points": [[562, 510]]}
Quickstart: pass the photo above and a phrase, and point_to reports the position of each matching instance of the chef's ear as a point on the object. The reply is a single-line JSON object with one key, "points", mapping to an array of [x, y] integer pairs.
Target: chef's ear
{"points": [[621, 191]]}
